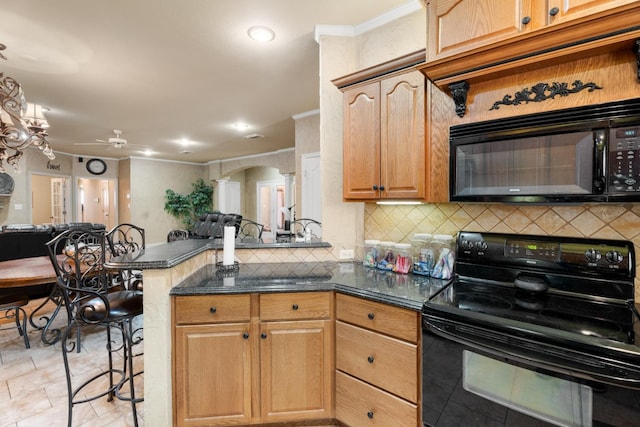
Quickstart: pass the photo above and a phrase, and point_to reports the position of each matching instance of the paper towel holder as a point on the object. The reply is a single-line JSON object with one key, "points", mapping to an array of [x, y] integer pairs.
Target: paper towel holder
{"points": [[227, 270]]}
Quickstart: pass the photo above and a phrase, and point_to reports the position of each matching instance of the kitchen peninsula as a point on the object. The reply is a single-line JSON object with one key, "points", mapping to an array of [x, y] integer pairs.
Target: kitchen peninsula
{"points": [[181, 276]]}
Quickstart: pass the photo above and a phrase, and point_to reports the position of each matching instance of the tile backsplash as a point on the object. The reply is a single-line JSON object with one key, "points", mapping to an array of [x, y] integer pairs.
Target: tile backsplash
{"points": [[398, 223]]}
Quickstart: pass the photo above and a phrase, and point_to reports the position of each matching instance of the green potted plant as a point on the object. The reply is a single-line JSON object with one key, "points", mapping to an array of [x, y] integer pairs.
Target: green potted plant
{"points": [[188, 207]]}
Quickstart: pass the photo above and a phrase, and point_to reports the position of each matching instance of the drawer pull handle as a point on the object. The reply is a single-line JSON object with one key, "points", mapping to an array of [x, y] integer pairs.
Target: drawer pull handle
{"points": [[245, 335], [554, 11], [263, 335], [370, 359], [295, 306], [212, 310], [370, 415], [371, 316]]}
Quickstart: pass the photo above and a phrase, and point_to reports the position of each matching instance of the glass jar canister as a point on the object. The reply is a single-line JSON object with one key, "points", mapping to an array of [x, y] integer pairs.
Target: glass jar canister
{"points": [[403, 258], [371, 253], [386, 256], [422, 254], [444, 256]]}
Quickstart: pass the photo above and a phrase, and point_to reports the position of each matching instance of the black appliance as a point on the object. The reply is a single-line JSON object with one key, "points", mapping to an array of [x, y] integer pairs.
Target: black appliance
{"points": [[589, 153], [534, 330]]}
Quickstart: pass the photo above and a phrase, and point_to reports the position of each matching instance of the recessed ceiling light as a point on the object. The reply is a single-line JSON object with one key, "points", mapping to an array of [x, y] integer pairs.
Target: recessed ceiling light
{"points": [[241, 126], [184, 142], [261, 34]]}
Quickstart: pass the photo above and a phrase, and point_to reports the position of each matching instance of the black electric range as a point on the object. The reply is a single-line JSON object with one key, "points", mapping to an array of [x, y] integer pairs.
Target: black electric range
{"points": [[560, 305]]}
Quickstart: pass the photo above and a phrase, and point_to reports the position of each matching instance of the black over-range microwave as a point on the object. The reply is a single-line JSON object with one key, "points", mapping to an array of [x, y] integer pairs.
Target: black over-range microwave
{"points": [[583, 154]]}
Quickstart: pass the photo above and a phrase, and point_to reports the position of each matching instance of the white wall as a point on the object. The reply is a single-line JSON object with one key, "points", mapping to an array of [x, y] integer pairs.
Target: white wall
{"points": [[343, 223]]}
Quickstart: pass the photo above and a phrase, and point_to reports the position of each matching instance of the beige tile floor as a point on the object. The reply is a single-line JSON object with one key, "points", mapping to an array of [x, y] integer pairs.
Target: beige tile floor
{"points": [[33, 387]]}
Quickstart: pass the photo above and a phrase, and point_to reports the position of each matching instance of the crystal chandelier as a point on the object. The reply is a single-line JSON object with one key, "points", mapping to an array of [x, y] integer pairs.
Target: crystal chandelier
{"points": [[21, 124]]}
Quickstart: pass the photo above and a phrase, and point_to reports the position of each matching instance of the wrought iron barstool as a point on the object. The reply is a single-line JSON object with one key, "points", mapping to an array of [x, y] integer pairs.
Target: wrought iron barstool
{"points": [[92, 301], [127, 239], [11, 305]]}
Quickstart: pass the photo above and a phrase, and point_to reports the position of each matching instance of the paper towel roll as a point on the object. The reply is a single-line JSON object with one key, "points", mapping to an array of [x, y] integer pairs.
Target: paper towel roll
{"points": [[229, 245]]}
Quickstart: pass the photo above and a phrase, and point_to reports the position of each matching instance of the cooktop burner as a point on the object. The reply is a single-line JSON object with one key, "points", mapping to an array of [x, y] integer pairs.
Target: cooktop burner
{"points": [[560, 312]]}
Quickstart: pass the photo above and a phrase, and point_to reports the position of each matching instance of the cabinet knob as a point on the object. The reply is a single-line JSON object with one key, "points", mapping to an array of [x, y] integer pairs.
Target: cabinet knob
{"points": [[245, 335], [263, 335], [212, 309], [370, 359], [371, 316], [382, 188], [370, 415], [375, 187], [295, 306], [554, 11], [526, 20]]}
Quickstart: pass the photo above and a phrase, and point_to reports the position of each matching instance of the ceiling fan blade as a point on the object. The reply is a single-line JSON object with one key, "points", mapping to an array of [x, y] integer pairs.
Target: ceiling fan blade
{"points": [[91, 143]]}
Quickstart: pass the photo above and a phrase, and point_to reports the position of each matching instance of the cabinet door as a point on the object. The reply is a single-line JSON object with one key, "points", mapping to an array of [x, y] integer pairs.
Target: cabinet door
{"points": [[296, 370], [456, 26], [402, 136], [361, 143], [567, 10], [212, 379]]}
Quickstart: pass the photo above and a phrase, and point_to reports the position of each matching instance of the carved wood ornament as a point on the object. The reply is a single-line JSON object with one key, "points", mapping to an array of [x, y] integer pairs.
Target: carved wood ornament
{"points": [[543, 91]]}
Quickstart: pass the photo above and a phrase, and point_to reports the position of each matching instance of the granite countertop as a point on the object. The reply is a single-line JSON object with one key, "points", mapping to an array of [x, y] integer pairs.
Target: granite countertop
{"points": [[402, 290], [167, 255]]}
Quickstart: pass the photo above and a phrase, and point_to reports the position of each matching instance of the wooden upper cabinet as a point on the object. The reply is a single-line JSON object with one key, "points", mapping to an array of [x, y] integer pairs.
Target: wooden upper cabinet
{"points": [[384, 139], [474, 39], [457, 26], [402, 136], [361, 144], [559, 11]]}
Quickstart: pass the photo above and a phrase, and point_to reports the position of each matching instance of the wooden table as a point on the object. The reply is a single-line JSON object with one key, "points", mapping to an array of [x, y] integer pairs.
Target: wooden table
{"points": [[21, 272], [33, 271]]}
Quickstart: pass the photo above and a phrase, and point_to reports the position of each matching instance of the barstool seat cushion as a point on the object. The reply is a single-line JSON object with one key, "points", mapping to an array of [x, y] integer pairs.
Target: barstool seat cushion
{"points": [[122, 304]]}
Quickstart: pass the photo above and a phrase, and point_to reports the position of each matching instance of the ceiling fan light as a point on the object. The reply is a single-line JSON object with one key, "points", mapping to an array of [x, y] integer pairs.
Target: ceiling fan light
{"points": [[261, 34]]}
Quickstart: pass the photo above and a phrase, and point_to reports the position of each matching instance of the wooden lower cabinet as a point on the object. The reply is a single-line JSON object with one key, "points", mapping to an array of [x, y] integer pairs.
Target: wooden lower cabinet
{"points": [[212, 375], [378, 364], [245, 359], [296, 370], [360, 404]]}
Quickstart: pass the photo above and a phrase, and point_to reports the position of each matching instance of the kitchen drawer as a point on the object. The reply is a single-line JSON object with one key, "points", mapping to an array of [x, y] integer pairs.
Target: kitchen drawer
{"points": [[383, 361], [360, 404], [212, 309], [395, 321], [295, 305]]}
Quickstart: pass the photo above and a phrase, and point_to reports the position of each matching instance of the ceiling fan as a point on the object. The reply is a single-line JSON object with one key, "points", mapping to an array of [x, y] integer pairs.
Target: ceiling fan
{"points": [[115, 141]]}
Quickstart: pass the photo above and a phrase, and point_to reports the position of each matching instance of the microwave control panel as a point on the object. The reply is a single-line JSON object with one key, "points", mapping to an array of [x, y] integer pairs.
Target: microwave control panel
{"points": [[624, 160]]}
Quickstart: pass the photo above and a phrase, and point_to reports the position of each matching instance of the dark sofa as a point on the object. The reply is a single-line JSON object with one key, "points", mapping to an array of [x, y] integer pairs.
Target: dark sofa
{"points": [[211, 225]]}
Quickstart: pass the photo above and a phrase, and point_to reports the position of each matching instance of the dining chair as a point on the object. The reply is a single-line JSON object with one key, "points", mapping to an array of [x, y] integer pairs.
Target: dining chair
{"points": [[91, 302], [250, 231], [126, 239], [175, 235], [300, 226], [11, 306]]}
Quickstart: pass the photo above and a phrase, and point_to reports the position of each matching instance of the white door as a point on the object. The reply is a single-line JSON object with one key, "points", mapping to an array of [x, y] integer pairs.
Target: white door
{"points": [[311, 187], [270, 201], [58, 200]]}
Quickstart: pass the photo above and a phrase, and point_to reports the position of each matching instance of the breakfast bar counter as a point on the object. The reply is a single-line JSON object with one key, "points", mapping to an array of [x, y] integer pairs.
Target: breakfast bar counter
{"points": [[188, 267]]}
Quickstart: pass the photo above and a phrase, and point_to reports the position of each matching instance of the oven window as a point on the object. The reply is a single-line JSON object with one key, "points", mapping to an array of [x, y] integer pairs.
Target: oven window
{"points": [[554, 164], [548, 398]]}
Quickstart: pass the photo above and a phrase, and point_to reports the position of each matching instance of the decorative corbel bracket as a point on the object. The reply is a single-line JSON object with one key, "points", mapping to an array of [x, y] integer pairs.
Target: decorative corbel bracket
{"points": [[459, 94], [636, 51]]}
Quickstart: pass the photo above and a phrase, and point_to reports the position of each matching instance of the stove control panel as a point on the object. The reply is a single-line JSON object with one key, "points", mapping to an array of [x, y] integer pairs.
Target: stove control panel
{"points": [[606, 257]]}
